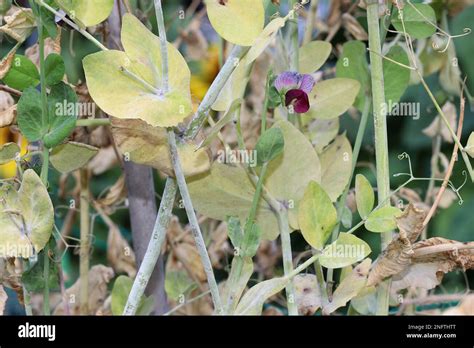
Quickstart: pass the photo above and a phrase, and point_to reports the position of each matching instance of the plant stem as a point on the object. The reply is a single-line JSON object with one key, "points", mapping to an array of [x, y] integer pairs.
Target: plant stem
{"points": [[320, 277], [73, 25], [85, 242], [294, 42], [313, 10], [193, 221], [343, 199], [381, 138], [265, 103], [287, 259], [154, 248], [45, 167], [183, 188], [46, 309], [217, 85]]}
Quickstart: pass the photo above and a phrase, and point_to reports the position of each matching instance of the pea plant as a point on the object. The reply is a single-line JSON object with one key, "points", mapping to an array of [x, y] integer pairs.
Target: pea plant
{"points": [[269, 203]]}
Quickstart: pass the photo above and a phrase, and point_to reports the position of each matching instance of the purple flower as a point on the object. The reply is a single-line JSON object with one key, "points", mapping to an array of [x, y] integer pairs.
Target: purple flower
{"points": [[296, 88]]}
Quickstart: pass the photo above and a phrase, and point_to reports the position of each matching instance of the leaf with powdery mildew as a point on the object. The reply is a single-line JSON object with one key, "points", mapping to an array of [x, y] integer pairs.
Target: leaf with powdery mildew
{"points": [[365, 196], [129, 84], [87, 12], [237, 21], [336, 167], [253, 300], [345, 251], [26, 217], [71, 156]]}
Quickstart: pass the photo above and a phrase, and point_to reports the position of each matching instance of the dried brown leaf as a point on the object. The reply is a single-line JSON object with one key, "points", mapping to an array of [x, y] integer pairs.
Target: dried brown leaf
{"points": [[115, 195], [119, 253], [397, 256], [105, 159], [6, 63], [19, 24], [438, 126], [99, 277]]}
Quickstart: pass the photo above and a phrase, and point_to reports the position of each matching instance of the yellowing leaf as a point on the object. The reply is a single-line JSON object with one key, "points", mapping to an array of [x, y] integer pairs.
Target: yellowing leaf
{"points": [[336, 167], [331, 98], [322, 132], [26, 217], [227, 191], [365, 197], [316, 216], [235, 85], [313, 55], [141, 143], [71, 156], [289, 174], [345, 251], [237, 21], [129, 84], [350, 287], [253, 300], [87, 12], [382, 220]]}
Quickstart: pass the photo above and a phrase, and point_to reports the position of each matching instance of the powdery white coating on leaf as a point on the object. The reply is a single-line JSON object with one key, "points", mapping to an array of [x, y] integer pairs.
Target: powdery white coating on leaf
{"points": [[122, 96], [26, 218], [237, 21], [253, 300], [87, 12]]}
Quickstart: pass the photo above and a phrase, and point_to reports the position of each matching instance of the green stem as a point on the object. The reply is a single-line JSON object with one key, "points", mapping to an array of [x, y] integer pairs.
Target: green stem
{"points": [[178, 170], [266, 102], [320, 278], [380, 125], [73, 25], [84, 242], [343, 199], [287, 259], [154, 248], [193, 222], [217, 85]]}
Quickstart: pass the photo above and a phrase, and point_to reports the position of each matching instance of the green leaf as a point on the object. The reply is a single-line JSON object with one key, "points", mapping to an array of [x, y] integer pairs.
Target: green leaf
{"points": [[353, 64], [416, 18], [48, 21], [33, 278], [29, 115], [234, 230], [316, 216], [383, 219], [237, 21], [253, 300], [251, 240], [8, 152], [396, 77], [22, 74], [60, 122], [178, 284], [121, 290], [119, 94], [336, 167], [345, 251], [365, 197], [331, 98], [26, 217], [54, 69], [71, 156], [470, 145], [313, 55], [269, 146], [87, 12], [5, 5]]}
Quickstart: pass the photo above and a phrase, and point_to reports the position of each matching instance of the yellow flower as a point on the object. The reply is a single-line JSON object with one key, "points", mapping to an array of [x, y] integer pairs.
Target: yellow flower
{"points": [[9, 170]]}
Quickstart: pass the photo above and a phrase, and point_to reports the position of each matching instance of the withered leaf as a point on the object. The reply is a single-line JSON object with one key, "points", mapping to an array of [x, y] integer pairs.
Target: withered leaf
{"points": [[20, 24], [398, 253], [141, 143]]}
